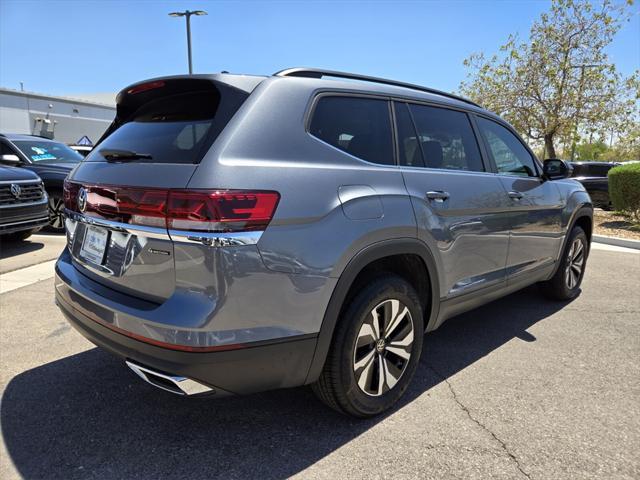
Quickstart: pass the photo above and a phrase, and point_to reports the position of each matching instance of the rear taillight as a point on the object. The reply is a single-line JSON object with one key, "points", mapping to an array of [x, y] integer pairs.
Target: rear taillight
{"points": [[144, 87], [187, 210], [220, 211]]}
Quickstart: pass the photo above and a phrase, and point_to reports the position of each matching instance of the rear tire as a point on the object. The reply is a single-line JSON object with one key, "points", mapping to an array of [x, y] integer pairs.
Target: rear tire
{"points": [[376, 349], [565, 284]]}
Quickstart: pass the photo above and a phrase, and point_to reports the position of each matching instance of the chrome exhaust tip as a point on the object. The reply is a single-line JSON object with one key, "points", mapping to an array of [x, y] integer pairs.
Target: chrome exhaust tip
{"points": [[170, 383]]}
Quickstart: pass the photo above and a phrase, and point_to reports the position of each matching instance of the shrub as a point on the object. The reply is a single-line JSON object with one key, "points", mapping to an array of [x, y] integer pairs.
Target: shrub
{"points": [[624, 189]]}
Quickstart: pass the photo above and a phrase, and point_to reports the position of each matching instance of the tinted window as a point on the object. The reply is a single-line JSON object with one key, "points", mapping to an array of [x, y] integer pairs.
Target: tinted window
{"points": [[358, 126], [446, 139], [174, 129], [410, 152], [47, 152], [509, 154]]}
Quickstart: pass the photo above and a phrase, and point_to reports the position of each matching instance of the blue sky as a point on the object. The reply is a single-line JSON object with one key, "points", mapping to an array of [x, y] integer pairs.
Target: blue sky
{"points": [[64, 47]]}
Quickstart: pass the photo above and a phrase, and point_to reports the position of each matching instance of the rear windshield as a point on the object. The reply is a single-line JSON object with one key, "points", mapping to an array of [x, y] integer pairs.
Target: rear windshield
{"points": [[173, 129], [47, 152]]}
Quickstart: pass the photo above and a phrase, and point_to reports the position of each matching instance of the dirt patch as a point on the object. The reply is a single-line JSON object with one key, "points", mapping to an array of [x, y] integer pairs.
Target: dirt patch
{"points": [[614, 225]]}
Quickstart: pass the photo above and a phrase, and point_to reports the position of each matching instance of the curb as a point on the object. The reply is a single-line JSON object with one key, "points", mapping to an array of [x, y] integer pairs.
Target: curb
{"points": [[618, 242]]}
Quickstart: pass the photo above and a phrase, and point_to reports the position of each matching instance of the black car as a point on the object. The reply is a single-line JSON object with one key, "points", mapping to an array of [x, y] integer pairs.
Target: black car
{"points": [[593, 175], [23, 203], [50, 160]]}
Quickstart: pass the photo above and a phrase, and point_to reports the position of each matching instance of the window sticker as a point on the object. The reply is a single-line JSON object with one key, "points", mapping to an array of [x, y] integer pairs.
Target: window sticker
{"points": [[41, 154]]}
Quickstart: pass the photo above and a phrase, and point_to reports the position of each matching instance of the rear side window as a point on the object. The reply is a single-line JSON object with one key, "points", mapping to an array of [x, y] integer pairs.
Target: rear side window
{"points": [[173, 129], [358, 126], [508, 152], [445, 139]]}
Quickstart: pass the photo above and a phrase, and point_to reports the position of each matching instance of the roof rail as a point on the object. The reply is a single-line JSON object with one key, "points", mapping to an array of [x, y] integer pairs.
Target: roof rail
{"points": [[319, 73]]}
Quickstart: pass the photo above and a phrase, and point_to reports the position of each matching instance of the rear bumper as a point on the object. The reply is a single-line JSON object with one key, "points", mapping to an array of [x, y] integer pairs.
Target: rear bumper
{"points": [[237, 369], [263, 367]]}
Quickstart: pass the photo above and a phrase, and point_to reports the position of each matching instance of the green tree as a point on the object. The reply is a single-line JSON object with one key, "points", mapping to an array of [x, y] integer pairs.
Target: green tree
{"points": [[559, 82], [591, 151]]}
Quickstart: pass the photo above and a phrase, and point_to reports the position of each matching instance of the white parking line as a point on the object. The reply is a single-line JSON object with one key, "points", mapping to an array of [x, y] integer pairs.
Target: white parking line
{"points": [[26, 276]]}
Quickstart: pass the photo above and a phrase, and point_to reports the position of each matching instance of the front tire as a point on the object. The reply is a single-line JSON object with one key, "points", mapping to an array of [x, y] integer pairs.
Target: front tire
{"points": [[565, 284], [376, 349]]}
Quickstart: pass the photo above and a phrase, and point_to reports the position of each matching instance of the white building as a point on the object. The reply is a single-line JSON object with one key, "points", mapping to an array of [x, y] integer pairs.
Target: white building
{"points": [[64, 119]]}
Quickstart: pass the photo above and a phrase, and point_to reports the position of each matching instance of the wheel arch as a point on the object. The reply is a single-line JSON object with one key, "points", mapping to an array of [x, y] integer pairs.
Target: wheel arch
{"points": [[364, 258]]}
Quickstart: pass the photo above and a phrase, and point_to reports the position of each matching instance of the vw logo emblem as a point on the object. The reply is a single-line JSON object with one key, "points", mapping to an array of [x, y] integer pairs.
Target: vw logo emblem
{"points": [[16, 190], [82, 199]]}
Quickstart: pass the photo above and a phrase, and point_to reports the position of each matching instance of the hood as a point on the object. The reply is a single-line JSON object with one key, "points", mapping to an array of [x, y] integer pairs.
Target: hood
{"points": [[55, 167], [10, 174]]}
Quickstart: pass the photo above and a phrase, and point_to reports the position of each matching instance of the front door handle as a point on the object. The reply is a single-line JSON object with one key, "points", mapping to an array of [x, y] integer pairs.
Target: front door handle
{"points": [[515, 195], [438, 195]]}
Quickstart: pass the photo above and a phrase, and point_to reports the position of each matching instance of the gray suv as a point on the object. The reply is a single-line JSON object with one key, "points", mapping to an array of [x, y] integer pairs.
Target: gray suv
{"points": [[231, 234]]}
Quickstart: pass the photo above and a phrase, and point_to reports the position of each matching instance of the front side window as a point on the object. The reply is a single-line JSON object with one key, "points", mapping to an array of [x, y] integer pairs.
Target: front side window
{"points": [[47, 152], [445, 140], [358, 126], [508, 152]]}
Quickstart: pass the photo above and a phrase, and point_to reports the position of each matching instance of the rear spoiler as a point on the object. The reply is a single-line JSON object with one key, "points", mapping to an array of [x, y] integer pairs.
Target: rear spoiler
{"points": [[233, 91]]}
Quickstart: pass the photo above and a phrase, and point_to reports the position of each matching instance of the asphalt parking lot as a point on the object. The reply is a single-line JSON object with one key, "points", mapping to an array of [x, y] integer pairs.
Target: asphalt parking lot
{"points": [[520, 388]]}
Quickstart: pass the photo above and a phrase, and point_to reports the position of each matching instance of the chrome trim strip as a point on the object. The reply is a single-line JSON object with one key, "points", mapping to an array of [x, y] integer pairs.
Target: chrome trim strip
{"points": [[216, 239], [141, 230], [184, 385], [210, 239], [42, 201], [35, 181], [33, 220]]}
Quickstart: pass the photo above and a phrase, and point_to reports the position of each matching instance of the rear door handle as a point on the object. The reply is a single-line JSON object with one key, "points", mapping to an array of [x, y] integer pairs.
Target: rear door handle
{"points": [[438, 195], [515, 195]]}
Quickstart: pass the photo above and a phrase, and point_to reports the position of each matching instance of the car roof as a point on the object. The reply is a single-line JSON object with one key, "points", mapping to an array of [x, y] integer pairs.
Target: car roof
{"points": [[249, 82]]}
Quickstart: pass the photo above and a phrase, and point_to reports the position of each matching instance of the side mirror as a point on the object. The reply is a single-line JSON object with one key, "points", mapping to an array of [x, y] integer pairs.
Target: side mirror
{"points": [[555, 169], [10, 158]]}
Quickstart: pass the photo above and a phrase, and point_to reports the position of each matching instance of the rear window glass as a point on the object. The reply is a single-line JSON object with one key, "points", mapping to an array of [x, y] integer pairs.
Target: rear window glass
{"points": [[47, 152], [358, 126], [587, 170], [174, 129]]}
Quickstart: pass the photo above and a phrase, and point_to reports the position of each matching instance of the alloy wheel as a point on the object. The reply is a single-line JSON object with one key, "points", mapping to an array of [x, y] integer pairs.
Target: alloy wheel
{"points": [[383, 347], [56, 213], [575, 263]]}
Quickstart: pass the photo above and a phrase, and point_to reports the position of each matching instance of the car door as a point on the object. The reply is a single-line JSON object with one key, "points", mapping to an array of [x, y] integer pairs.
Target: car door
{"points": [[459, 206], [536, 205]]}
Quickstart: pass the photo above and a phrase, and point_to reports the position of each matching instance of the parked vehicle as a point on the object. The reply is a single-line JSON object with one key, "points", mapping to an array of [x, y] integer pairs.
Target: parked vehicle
{"points": [[23, 203], [593, 175], [52, 161], [232, 234]]}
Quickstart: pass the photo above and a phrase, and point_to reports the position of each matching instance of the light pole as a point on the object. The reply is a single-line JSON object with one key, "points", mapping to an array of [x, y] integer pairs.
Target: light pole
{"points": [[187, 14]]}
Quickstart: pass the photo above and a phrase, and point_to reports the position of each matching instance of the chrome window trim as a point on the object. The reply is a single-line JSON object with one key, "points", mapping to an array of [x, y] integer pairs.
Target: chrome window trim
{"points": [[211, 239]]}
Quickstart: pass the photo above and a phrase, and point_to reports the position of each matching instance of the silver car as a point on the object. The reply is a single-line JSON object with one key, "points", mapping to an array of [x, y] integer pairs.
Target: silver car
{"points": [[231, 234]]}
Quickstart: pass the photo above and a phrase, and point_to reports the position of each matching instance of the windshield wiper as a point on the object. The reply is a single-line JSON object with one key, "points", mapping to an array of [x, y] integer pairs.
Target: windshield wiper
{"points": [[113, 155]]}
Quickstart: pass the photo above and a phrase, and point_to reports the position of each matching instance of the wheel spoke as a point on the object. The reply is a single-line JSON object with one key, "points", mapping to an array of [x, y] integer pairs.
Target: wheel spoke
{"points": [[380, 375], [364, 379], [366, 336], [365, 361], [578, 249], [390, 378], [376, 323], [395, 321]]}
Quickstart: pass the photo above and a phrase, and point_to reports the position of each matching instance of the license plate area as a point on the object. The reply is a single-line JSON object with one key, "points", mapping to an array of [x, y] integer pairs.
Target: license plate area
{"points": [[94, 244]]}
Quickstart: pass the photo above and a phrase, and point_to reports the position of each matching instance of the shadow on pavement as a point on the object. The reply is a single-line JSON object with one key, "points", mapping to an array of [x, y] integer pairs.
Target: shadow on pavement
{"points": [[88, 416], [11, 248]]}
